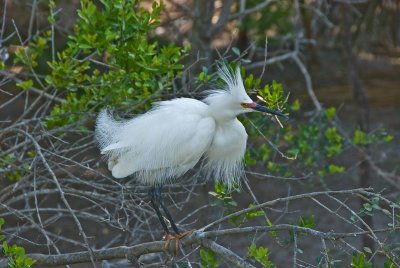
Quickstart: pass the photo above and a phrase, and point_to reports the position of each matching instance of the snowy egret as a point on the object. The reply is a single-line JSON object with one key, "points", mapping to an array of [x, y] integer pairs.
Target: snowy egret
{"points": [[169, 140]]}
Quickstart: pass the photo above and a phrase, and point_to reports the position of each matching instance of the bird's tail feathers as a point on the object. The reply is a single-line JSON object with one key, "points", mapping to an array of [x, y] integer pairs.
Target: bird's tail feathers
{"points": [[106, 129]]}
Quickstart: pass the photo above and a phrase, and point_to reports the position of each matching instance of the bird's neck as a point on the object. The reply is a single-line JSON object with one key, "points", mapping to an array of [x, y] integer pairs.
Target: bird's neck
{"points": [[224, 116]]}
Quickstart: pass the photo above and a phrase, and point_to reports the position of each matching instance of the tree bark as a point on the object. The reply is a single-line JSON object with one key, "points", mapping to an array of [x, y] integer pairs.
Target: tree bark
{"points": [[201, 35], [362, 106]]}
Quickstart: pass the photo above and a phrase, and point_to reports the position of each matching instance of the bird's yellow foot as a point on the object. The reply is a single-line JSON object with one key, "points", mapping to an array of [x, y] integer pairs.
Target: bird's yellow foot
{"points": [[169, 237]]}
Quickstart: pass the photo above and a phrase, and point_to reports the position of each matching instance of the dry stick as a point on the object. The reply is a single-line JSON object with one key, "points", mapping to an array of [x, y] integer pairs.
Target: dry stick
{"points": [[390, 178], [257, 174], [49, 241], [265, 58], [370, 231], [3, 24], [326, 257], [294, 249], [299, 33], [34, 225], [287, 227], [53, 49], [62, 195], [272, 144], [250, 10], [271, 61], [225, 253], [255, 200], [336, 214], [307, 78], [284, 199], [33, 14]]}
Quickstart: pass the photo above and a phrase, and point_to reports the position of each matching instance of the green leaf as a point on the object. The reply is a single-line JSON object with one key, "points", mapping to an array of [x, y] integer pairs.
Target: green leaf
{"points": [[260, 255], [368, 250], [307, 222], [332, 169], [209, 259], [25, 84], [388, 138], [236, 51], [330, 113], [358, 261], [5, 247], [389, 264], [273, 233], [360, 138], [254, 213], [51, 20], [296, 105]]}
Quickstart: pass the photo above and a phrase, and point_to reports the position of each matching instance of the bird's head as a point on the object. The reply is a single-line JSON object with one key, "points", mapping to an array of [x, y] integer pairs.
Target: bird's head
{"points": [[233, 99]]}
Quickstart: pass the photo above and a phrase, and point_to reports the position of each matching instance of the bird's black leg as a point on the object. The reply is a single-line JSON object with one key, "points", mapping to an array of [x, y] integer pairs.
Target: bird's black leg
{"points": [[173, 225], [155, 196]]}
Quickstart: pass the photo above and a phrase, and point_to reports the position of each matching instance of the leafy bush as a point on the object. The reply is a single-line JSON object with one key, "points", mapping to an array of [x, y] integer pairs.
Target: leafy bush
{"points": [[108, 60], [15, 254]]}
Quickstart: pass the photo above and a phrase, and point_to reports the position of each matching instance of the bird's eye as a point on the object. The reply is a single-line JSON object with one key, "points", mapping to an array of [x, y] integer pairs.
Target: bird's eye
{"points": [[244, 105]]}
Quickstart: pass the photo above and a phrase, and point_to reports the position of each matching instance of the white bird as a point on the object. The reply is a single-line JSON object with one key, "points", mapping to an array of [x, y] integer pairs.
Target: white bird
{"points": [[169, 140]]}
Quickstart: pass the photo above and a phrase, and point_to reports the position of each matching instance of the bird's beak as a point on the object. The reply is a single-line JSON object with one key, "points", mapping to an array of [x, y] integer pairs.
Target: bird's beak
{"points": [[260, 108]]}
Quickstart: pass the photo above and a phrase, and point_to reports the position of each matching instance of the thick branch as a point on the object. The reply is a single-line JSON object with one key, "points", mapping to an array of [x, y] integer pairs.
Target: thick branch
{"points": [[198, 237], [134, 252]]}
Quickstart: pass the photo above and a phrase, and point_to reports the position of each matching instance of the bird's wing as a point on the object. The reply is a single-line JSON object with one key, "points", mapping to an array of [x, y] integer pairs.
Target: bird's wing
{"points": [[170, 139], [112, 147]]}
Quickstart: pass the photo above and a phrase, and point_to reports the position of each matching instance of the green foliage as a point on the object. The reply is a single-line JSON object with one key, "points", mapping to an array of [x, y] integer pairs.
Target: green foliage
{"points": [[11, 171], [332, 169], [260, 255], [226, 200], [25, 84], [29, 55], [307, 222], [254, 213], [1, 225], [295, 105], [359, 261], [109, 60], [368, 208], [334, 142], [225, 196], [209, 259], [15, 254], [204, 76], [273, 233], [273, 96], [389, 264], [363, 139], [330, 113]]}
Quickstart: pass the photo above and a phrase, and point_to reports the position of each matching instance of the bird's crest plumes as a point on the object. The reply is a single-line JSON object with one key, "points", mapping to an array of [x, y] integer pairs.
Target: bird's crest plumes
{"points": [[232, 78], [225, 102]]}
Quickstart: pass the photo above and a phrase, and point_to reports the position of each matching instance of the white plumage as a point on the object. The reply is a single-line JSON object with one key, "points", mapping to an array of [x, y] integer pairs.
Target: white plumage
{"points": [[169, 140]]}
